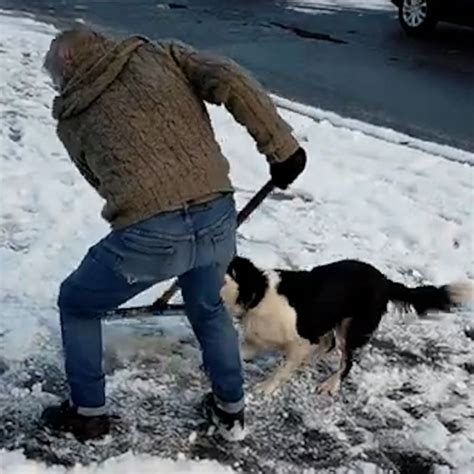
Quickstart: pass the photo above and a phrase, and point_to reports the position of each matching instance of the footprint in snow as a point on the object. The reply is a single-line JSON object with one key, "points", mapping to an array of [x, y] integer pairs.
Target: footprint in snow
{"points": [[15, 133]]}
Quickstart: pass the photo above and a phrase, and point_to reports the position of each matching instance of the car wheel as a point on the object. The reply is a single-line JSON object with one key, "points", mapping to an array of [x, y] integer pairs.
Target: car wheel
{"points": [[417, 17]]}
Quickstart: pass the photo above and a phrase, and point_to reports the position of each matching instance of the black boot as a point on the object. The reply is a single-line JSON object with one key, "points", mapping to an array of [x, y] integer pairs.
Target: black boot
{"points": [[231, 426], [66, 419]]}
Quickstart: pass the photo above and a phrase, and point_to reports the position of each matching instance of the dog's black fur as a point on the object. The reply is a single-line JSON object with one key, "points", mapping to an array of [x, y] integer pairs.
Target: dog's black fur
{"points": [[252, 282], [348, 295]]}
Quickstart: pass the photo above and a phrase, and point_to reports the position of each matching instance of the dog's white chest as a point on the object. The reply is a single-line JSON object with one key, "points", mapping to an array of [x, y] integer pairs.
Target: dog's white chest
{"points": [[272, 323]]}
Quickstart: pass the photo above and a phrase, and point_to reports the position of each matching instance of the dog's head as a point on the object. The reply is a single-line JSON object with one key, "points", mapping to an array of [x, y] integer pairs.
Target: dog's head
{"points": [[244, 286]]}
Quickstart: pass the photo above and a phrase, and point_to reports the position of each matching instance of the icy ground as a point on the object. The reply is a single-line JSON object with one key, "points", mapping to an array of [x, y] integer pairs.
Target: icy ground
{"points": [[408, 405]]}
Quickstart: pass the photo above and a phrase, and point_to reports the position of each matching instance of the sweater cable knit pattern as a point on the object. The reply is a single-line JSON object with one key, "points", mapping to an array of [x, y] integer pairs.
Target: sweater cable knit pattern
{"points": [[134, 122]]}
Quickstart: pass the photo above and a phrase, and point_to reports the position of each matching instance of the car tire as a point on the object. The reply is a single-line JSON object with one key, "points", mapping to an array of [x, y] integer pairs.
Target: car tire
{"points": [[418, 17]]}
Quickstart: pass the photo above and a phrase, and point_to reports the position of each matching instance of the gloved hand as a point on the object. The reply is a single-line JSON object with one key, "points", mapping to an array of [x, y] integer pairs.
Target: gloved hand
{"points": [[283, 173]]}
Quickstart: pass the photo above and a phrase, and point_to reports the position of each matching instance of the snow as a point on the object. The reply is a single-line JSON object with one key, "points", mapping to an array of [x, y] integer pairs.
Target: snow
{"points": [[385, 134], [318, 7], [368, 193], [16, 463]]}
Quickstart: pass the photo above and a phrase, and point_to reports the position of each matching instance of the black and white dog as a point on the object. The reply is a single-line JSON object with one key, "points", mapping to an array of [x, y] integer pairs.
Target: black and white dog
{"points": [[335, 305]]}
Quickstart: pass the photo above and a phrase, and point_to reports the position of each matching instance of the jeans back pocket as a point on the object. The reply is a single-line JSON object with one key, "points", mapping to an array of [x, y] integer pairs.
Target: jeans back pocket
{"points": [[147, 243], [223, 239], [147, 256]]}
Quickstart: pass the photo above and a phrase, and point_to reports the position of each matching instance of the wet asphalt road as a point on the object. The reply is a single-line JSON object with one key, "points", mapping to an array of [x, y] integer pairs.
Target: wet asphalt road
{"points": [[359, 64]]}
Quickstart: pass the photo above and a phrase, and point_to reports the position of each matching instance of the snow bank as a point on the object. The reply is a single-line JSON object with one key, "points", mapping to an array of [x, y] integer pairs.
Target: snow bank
{"points": [[381, 133], [317, 7]]}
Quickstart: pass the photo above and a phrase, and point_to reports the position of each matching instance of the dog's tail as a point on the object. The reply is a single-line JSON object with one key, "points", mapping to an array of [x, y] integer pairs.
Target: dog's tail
{"points": [[426, 298]]}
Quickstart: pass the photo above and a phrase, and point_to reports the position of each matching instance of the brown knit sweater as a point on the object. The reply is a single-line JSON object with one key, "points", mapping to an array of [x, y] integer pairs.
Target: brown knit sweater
{"points": [[133, 120]]}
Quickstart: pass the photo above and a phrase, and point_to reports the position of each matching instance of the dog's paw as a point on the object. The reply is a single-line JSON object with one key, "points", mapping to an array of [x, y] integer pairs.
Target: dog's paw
{"points": [[330, 386], [267, 387]]}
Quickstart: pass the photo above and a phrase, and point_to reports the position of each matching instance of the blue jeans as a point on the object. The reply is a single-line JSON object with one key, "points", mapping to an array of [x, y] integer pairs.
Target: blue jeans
{"points": [[195, 244]]}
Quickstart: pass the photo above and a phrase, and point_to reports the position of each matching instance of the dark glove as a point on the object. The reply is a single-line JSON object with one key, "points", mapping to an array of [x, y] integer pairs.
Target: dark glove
{"points": [[283, 173]]}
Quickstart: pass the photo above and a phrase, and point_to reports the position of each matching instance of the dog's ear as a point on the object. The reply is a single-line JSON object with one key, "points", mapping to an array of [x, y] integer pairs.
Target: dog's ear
{"points": [[238, 268], [232, 272], [252, 282]]}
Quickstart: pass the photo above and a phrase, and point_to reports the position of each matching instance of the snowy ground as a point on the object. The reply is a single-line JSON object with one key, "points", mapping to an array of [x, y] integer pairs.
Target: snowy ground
{"points": [[408, 405]]}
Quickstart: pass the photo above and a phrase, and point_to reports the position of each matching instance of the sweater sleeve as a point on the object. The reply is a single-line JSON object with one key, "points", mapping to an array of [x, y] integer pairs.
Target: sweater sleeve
{"points": [[220, 81], [77, 156], [84, 169]]}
